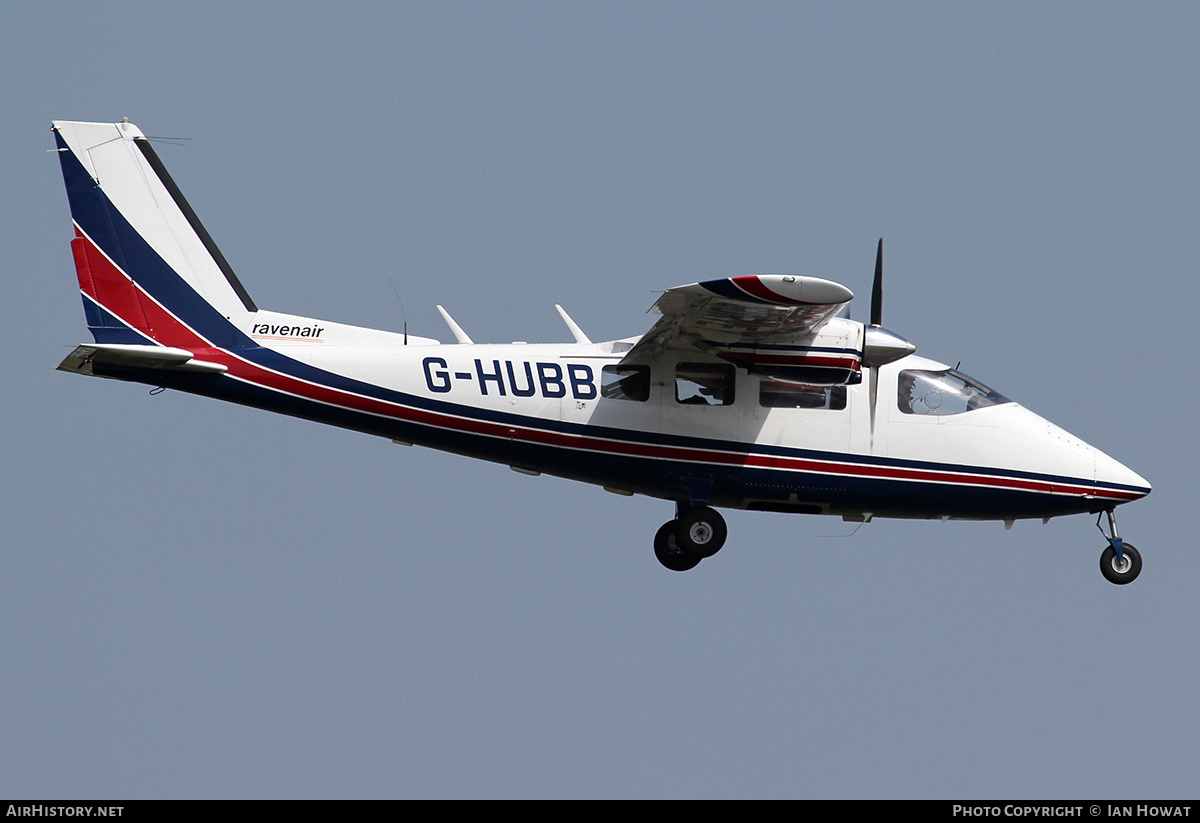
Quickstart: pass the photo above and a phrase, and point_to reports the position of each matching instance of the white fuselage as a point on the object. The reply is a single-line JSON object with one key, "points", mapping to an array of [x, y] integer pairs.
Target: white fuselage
{"points": [[543, 408]]}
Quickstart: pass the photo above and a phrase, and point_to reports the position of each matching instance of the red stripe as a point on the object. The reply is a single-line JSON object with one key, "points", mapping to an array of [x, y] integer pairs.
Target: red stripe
{"points": [[107, 284], [752, 285], [791, 359], [169, 327]]}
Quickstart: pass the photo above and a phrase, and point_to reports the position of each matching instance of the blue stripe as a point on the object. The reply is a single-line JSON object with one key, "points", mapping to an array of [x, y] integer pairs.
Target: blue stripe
{"points": [[733, 486], [89, 206], [726, 288], [110, 328], [275, 361]]}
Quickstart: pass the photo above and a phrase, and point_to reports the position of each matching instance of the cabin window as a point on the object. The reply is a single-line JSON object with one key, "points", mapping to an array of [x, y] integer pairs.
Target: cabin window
{"points": [[704, 384], [942, 393], [625, 383], [782, 394]]}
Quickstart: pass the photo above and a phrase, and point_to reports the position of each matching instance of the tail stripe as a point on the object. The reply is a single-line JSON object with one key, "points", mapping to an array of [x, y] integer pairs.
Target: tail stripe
{"points": [[121, 300], [108, 328], [98, 277], [120, 253]]}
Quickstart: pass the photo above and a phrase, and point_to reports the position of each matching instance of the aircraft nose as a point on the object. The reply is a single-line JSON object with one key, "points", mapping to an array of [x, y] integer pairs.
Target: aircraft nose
{"points": [[1117, 481]]}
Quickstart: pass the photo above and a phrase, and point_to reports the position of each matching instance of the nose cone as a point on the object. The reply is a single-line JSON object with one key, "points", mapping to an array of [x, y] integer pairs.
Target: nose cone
{"points": [[1096, 481], [1117, 482]]}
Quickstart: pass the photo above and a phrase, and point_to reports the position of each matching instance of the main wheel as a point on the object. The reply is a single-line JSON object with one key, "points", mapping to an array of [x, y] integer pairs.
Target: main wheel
{"points": [[1121, 570], [666, 549], [701, 532]]}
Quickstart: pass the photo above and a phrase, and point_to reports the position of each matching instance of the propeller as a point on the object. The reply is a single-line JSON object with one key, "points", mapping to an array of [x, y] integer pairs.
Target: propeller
{"points": [[880, 346]]}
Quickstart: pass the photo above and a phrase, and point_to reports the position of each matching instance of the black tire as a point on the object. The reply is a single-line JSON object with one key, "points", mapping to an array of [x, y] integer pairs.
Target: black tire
{"points": [[1118, 573], [701, 532], [666, 549]]}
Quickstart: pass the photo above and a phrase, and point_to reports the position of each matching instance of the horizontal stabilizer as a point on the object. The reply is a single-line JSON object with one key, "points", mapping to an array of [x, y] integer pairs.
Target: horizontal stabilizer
{"points": [[86, 358]]}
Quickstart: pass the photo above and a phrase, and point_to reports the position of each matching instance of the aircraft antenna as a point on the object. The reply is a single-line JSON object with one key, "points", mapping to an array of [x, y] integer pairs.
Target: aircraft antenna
{"points": [[403, 313], [174, 141]]}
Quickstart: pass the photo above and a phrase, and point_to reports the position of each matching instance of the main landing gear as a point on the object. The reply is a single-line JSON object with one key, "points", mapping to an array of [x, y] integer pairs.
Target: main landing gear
{"points": [[696, 532], [1120, 563]]}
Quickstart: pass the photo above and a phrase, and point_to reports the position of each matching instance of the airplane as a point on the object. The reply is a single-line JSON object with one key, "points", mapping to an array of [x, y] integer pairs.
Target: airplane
{"points": [[748, 392]]}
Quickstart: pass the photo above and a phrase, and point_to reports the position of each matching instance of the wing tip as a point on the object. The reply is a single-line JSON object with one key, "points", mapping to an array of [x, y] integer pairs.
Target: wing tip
{"points": [[781, 289]]}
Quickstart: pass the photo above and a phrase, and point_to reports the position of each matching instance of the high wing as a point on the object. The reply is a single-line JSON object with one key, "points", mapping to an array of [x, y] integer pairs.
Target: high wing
{"points": [[769, 323], [763, 308]]}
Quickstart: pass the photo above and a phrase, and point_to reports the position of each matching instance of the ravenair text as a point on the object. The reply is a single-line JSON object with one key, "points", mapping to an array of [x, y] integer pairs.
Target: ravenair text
{"points": [[281, 330], [520, 379]]}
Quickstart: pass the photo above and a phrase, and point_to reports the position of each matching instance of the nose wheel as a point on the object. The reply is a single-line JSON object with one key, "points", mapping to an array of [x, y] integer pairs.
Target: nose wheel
{"points": [[1123, 569], [697, 533], [1120, 563]]}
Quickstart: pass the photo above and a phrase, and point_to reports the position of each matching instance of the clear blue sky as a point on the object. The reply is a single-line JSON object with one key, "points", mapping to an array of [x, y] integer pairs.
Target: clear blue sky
{"points": [[199, 600]]}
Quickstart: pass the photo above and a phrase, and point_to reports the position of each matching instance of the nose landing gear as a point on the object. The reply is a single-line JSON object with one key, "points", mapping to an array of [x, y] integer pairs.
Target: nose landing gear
{"points": [[698, 532], [1120, 563]]}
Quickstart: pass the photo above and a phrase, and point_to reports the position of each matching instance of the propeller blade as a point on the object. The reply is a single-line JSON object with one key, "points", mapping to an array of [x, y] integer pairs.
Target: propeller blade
{"points": [[877, 288], [876, 326]]}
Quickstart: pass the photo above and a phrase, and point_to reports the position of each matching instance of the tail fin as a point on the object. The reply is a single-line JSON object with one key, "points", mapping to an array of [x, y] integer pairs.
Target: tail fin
{"points": [[147, 268]]}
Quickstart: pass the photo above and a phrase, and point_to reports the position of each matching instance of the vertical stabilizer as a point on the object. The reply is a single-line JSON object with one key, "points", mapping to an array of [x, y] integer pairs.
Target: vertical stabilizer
{"points": [[145, 262]]}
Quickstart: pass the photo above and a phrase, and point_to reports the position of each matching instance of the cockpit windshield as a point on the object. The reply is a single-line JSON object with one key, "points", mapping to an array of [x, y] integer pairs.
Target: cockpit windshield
{"points": [[921, 391]]}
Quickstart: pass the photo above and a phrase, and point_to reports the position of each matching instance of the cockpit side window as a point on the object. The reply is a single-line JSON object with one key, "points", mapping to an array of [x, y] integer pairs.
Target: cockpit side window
{"points": [[945, 392]]}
